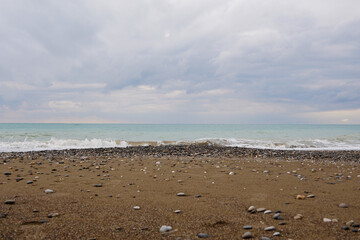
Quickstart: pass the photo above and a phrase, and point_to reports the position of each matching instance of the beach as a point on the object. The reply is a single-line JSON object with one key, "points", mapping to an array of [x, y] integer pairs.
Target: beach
{"points": [[195, 191]]}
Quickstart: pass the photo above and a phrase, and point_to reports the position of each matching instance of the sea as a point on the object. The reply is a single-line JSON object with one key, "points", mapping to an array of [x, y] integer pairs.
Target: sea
{"points": [[21, 137]]}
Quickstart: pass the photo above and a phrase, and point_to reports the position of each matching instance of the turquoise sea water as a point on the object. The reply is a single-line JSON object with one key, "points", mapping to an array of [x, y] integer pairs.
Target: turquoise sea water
{"points": [[32, 137]]}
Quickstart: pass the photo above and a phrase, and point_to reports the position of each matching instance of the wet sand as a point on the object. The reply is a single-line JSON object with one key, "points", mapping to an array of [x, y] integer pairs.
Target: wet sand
{"points": [[95, 192]]}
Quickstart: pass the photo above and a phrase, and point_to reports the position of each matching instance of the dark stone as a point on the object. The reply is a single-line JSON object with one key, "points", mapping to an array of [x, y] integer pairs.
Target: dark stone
{"points": [[355, 225], [29, 182], [355, 230], [203, 235], [7, 173], [10, 201], [345, 227], [247, 227], [43, 221], [97, 185], [198, 196], [3, 215], [19, 179], [282, 223]]}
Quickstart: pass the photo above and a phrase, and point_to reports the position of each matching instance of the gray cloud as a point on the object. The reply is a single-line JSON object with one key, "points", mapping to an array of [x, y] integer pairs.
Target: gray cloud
{"points": [[179, 61]]}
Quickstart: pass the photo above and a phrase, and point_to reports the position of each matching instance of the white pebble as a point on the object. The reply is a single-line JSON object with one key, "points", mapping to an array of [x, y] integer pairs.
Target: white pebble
{"points": [[49, 191], [165, 228]]}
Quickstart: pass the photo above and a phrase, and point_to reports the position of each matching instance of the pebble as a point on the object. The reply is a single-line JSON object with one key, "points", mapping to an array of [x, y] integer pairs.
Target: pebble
{"points": [[265, 238], [49, 191], [355, 225], [177, 211], [165, 228], [310, 196], [300, 197], [349, 223], [203, 235], [231, 173], [327, 220], [180, 194], [198, 196], [345, 227], [282, 223], [271, 228], [260, 209], [7, 173], [29, 182], [247, 235], [52, 215], [19, 179], [247, 227], [97, 185], [251, 208], [343, 205], [267, 212], [3, 215], [355, 230], [137, 208], [298, 217], [276, 234], [10, 201], [276, 216]]}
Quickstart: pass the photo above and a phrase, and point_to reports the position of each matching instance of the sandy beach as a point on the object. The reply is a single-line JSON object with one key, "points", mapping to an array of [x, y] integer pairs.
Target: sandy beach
{"points": [[195, 191]]}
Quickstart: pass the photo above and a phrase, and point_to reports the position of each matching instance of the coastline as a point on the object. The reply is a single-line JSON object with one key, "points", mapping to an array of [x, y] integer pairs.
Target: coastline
{"points": [[95, 192], [198, 150]]}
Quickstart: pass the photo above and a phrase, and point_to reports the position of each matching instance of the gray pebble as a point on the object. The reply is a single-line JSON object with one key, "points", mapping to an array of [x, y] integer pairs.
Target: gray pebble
{"points": [[97, 185], [343, 205], [7, 173], [247, 227], [247, 235], [276, 234], [29, 182], [355, 230], [276, 216], [203, 235], [181, 194], [271, 228], [265, 238], [345, 227]]}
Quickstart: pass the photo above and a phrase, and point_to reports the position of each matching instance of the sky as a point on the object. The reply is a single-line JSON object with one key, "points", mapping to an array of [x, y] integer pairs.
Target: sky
{"points": [[180, 61]]}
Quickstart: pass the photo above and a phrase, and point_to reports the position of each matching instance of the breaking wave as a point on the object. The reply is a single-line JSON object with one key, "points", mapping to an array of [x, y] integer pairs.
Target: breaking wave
{"points": [[339, 143]]}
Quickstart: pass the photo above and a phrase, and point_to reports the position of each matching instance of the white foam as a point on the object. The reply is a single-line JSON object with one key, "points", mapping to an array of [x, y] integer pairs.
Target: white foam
{"points": [[300, 144], [58, 144]]}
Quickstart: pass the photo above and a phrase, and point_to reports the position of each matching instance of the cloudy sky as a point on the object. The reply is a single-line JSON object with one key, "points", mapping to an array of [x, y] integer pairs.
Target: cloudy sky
{"points": [[180, 61]]}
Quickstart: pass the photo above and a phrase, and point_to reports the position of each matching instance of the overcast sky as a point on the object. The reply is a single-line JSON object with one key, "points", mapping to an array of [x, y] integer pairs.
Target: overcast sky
{"points": [[180, 61]]}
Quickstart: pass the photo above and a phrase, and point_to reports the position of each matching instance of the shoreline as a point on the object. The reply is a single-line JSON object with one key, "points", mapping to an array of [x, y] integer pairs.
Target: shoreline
{"points": [[196, 150]]}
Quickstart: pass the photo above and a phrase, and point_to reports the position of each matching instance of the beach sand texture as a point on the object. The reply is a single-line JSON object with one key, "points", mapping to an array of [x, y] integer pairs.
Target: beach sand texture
{"points": [[95, 192]]}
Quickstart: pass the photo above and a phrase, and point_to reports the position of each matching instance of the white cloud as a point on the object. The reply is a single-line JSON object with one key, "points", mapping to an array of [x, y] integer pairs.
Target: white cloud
{"points": [[151, 61]]}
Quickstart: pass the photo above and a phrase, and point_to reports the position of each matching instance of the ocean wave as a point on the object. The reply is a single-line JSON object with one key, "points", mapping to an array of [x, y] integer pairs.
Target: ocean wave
{"points": [[302, 144]]}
